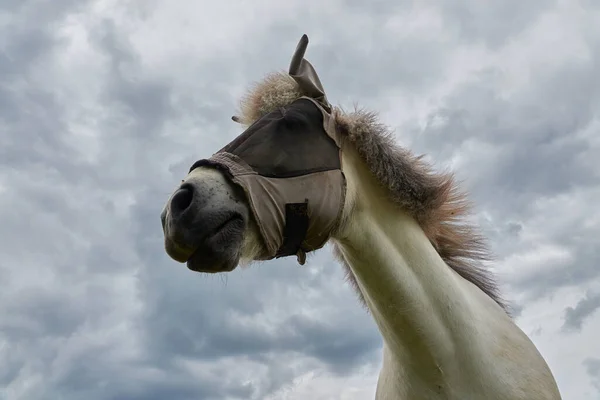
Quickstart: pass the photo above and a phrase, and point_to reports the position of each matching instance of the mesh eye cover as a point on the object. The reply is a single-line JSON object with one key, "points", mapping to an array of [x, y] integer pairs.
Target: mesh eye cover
{"points": [[287, 142]]}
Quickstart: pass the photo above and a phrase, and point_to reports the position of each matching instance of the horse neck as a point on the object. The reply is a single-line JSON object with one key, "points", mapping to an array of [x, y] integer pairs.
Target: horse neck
{"points": [[424, 310], [431, 319]]}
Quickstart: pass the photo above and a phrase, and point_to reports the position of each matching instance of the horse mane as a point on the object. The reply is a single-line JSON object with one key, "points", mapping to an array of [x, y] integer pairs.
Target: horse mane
{"points": [[434, 199]]}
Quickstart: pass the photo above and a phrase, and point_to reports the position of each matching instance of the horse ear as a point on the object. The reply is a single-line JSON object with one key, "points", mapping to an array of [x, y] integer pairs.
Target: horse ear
{"points": [[305, 75]]}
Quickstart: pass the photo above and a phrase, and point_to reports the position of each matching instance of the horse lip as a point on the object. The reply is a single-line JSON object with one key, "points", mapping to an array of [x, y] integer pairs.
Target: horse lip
{"points": [[199, 263], [178, 252], [228, 267], [182, 253]]}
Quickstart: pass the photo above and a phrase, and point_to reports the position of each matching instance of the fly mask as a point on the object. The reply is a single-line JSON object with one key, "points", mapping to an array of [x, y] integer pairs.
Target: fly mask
{"points": [[288, 163]]}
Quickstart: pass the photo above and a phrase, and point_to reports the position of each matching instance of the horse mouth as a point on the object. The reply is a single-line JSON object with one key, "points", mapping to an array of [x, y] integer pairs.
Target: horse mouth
{"points": [[215, 251], [177, 251], [197, 263]]}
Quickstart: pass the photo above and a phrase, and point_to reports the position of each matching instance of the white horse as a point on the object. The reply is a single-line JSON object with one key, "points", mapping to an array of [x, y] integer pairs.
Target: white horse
{"points": [[397, 226]]}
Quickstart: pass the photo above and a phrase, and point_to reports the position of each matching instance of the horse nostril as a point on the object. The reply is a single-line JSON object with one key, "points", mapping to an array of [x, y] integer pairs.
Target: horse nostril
{"points": [[182, 199]]}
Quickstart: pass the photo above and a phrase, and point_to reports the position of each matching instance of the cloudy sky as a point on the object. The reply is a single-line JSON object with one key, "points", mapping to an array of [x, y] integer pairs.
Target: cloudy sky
{"points": [[104, 105]]}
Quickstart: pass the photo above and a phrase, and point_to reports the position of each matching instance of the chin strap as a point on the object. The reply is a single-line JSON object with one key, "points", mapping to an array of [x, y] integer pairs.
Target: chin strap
{"points": [[294, 232]]}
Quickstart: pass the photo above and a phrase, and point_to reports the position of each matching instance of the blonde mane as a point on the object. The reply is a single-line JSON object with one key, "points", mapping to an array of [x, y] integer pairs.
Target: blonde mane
{"points": [[433, 199]]}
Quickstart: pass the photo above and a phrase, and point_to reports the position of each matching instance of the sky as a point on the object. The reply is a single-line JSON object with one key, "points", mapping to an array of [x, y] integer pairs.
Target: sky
{"points": [[104, 105]]}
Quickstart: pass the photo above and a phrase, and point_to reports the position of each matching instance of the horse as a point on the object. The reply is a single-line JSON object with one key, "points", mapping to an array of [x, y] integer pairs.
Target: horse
{"points": [[305, 173]]}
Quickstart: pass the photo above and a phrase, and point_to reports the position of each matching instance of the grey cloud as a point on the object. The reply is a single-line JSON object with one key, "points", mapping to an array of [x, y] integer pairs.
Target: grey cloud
{"points": [[379, 8], [95, 309], [575, 316], [516, 310], [411, 64], [580, 268], [143, 110], [29, 10], [81, 381], [537, 143], [592, 366], [146, 103], [56, 294], [493, 23], [351, 66], [531, 147], [41, 310], [32, 116]]}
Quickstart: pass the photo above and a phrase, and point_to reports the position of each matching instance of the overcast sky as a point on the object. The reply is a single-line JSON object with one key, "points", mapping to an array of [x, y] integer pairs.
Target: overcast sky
{"points": [[104, 105]]}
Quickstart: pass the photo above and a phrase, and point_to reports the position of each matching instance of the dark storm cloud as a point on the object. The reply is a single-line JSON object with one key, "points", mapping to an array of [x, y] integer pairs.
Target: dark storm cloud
{"points": [[575, 316]]}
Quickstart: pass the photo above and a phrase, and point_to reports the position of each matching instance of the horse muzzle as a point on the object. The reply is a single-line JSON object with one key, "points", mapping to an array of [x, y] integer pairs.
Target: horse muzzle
{"points": [[202, 229]]}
